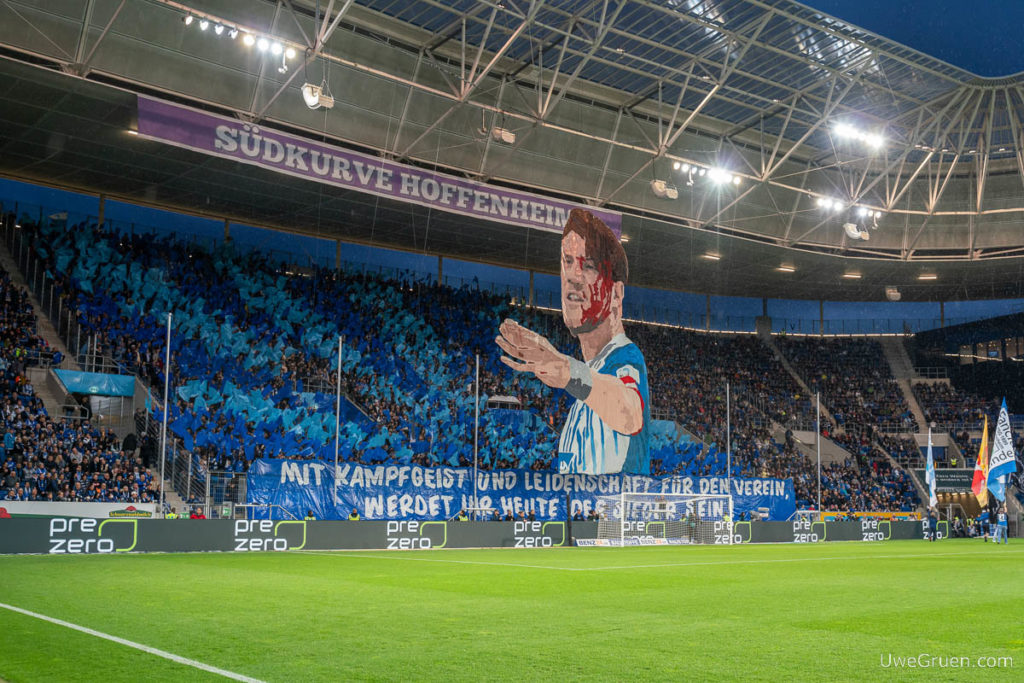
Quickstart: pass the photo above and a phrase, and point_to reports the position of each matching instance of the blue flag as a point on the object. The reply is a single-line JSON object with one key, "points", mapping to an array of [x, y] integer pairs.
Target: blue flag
{"points": [[929, 474]]}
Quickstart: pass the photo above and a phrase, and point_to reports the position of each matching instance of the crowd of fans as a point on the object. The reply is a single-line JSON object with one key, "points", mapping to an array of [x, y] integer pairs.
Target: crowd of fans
{"points": [[254, 360], [949, 408], [856, 384], [42, 459]]}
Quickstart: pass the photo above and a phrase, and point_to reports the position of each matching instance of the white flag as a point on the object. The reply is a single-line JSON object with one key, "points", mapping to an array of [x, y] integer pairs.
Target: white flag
{"points": [[929, 474], [1002, 460]]}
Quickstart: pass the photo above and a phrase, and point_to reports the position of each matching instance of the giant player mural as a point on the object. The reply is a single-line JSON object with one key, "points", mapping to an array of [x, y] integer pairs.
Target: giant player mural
{"points": [[607, 427]]}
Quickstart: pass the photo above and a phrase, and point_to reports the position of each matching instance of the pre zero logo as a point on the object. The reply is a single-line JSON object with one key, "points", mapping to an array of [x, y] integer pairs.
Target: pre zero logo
{"points": [[266, 534], [73, 535], [536, 534], [416, 535]]}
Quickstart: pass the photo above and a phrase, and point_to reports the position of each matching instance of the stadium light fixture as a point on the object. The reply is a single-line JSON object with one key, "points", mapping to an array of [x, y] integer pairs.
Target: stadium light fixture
{"points": [[249, 40], [276, 49], [662, 189], [289, 53], [233, 33], [188, 19], [315, 97], [203, 24], [218, 29], [846, 131]]}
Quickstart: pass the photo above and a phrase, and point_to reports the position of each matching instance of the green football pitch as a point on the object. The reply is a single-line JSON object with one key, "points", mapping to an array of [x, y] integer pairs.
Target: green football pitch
{"points": [[835, 611]]}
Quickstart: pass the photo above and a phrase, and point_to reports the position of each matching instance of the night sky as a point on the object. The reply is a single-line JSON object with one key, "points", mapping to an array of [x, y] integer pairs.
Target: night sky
{"points": [[981, 36]]}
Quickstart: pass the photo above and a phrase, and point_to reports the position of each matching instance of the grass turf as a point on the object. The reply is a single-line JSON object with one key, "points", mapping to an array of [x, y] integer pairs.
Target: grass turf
{"points": [[762, 612]]}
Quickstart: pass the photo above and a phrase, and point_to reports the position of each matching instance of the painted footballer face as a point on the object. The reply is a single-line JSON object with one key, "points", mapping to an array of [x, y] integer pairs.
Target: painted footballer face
{"points": [[586, 287]]}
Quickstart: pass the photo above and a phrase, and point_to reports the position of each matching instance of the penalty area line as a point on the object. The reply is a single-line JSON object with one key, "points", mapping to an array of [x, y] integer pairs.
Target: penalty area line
{"points": [[138, 646]]}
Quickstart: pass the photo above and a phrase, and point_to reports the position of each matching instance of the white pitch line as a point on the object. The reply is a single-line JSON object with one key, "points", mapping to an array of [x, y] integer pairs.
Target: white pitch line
{"points": [[138, 646], [643, 566]]}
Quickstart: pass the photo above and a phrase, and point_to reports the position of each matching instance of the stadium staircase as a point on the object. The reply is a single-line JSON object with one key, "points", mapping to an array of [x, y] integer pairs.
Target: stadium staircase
{"points": [[767, 340], [804, 440], [45, 383], [44, 327], [903, 370]]}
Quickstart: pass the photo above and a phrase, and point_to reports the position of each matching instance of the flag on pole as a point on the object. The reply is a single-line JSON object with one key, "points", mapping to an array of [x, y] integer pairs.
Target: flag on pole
{"points": [[980, 483], [929, 474], [1003, 461]]}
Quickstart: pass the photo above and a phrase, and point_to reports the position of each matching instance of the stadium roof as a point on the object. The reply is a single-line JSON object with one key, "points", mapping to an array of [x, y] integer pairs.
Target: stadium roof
{"points": [[821, 121]]}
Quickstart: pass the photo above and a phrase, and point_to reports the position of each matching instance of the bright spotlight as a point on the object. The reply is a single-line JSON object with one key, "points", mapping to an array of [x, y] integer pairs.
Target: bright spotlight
{"points": [[685, 168], [188, 20], [203, 24], [844, 130], [233, 33], [262, 44], [823, 202], [248, 39], [736, 180], [675, 165], [718, 176], [218, 29], [862, 211], [289, 53], [874, 140], [276, 49]]}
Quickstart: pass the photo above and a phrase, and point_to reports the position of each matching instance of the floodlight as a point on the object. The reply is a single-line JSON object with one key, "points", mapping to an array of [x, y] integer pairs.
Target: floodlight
{"points": [[218, 29], [663, 190], [315, 98], [262, 44], [203, 24], [249, 40]]}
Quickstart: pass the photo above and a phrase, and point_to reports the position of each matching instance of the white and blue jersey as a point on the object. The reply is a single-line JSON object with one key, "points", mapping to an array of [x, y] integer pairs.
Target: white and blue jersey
{"points": [[587, 445]]}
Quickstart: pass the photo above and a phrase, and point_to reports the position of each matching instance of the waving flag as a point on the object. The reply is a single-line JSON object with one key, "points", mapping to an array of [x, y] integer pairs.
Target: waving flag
{"points": [[1003, 461], [929, 474], [980, 483]]}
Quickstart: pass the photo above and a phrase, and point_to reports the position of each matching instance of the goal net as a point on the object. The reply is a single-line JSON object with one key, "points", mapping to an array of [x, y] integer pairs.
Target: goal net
{"points": [[665, 519]]}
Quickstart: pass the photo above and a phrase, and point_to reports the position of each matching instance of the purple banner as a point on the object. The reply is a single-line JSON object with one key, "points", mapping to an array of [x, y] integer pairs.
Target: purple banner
{"points": [[261, 146]]}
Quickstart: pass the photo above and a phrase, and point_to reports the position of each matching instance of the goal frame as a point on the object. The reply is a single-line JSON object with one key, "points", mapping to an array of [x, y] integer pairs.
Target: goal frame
{"points": [[663, 499]]}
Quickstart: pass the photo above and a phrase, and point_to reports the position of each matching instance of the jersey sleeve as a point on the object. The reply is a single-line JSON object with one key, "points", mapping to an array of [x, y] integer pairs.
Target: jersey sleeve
{"points": [[628, 365]]}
